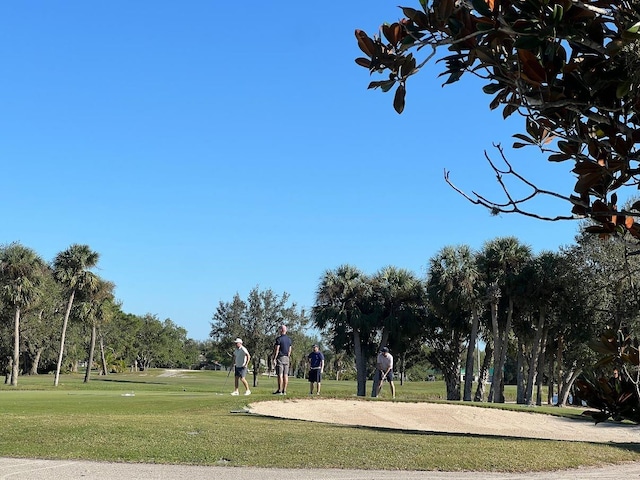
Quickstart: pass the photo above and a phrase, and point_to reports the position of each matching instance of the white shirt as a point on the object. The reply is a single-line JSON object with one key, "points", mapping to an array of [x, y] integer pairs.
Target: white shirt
{"points": [[241, 356]]}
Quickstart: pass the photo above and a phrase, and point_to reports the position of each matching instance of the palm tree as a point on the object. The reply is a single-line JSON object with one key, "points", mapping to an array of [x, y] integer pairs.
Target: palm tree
{"points": [[400, 300], [96, 302], [452, 287], [344, 307], [500, 261], [541, 286], [21, 274], [71, 269]]}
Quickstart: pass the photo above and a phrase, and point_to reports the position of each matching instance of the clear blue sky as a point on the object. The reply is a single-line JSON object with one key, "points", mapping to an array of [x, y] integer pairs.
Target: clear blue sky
{"points": [[205, 147]]}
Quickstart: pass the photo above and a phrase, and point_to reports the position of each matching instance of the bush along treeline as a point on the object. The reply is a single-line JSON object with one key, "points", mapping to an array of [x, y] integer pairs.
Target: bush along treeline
{"points": [[61, 317]]}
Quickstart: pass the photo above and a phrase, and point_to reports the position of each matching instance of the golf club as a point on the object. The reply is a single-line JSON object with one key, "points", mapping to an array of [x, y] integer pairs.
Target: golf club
{"points": [[383, 377], [228, 373]]}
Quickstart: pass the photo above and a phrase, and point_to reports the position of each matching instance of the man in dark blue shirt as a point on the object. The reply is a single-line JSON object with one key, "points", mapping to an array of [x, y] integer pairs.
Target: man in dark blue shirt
{"points": [[281, 355], [316, 366]]}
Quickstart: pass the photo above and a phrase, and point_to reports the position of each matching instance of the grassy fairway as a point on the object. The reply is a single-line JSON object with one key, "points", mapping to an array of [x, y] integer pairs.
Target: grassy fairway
{"points": [[188, 419]]}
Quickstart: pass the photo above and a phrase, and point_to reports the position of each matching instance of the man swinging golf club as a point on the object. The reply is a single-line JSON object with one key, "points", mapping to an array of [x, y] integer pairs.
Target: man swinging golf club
{"points": [[385, 370]]}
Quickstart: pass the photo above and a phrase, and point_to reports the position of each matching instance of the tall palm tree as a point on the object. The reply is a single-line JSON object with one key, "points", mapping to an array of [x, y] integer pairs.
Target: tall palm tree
{"points": [[500, 261], [71, 269], [542, 286], [344, 308], [94, 307], [452, 287], [21, 274], [400, 299]]}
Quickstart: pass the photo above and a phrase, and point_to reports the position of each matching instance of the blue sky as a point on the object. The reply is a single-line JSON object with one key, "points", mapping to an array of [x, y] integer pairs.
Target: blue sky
{"points": [[204, 148]]}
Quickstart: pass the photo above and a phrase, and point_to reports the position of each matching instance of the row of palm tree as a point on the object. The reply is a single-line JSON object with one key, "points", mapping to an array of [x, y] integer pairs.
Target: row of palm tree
{"points": [[62, 313], [23, 273], [535, 312]]}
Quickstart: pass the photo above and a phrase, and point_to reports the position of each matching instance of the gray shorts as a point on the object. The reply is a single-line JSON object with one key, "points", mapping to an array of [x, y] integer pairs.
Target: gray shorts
{"points": [[282, 366]]}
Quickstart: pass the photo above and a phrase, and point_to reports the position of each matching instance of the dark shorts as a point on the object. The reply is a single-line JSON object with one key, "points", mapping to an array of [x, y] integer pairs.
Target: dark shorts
{"points": [[282, 366], [388, 378], [315, 375], [241, 372]]}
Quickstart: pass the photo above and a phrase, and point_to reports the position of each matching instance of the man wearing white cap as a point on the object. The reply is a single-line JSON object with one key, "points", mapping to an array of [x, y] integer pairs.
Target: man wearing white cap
{"points": [[241, 361]]}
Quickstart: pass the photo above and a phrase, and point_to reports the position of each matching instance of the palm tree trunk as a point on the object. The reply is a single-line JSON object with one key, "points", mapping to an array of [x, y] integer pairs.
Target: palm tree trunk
{"points": [[495, 379], [541, 364], [483, 375], [103, 359], [520, 387], [361, 367], [563, 394], [559, 361], [35, 362], [468, 368], [56, 379], [92, 347], [498, 392], [535, 354], [16, 348]]}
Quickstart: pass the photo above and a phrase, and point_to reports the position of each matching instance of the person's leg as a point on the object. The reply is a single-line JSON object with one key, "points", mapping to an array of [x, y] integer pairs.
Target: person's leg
{"points": [[391, 385], [235, 381], [279, 376], [244, 383], [285, 375], [318, 388]]}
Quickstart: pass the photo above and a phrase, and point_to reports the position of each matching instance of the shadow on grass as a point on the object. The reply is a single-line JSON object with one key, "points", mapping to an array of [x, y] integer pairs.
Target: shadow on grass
{"points": [[138, 382]]}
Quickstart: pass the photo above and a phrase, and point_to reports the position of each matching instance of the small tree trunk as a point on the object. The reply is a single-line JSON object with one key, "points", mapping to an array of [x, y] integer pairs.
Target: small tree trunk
{"points": [[36, 361], [92, 347], [567, 383], [56, 379], [483, 376], [520, 391], [103, 358], [535, 353], [541, 363], [361, 365], [16, 349], [471, 349]]}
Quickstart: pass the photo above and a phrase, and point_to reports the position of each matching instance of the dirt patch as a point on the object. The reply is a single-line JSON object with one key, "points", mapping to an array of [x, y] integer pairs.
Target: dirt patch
{"points": [[433, 417]]}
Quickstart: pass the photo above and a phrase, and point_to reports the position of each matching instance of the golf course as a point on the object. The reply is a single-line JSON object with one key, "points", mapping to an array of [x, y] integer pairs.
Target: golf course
{"points": [[190, 418]]}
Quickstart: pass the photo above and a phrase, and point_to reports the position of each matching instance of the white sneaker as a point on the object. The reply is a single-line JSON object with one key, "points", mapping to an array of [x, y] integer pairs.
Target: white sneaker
{"points": [[235, 393], [248, 392]]}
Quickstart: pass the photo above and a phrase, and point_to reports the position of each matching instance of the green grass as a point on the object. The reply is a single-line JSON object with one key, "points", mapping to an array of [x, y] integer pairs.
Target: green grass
{"points": [[189, 420]]}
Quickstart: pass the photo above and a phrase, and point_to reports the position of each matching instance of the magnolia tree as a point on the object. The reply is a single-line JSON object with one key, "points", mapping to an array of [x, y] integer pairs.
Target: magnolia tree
{"points": [[570, 69]]}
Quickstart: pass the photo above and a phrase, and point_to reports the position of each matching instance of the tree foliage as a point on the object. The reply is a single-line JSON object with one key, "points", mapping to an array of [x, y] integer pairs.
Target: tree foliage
{"points": [[256, 322], [570, 69]]}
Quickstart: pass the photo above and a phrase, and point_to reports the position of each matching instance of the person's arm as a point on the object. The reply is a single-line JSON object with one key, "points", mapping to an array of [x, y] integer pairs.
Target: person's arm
{"points": [[247, 357], [322, 365], [390, 368], [276, 350]]}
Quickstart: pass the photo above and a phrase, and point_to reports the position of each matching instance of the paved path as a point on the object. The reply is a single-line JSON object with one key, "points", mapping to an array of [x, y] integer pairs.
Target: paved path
{"points": [[25, 469]]}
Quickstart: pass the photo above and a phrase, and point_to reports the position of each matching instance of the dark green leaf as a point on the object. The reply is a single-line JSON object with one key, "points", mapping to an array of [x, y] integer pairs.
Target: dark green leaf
{"points": [[398, 99], [559, 157], [492, 88], [508, 110]]}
